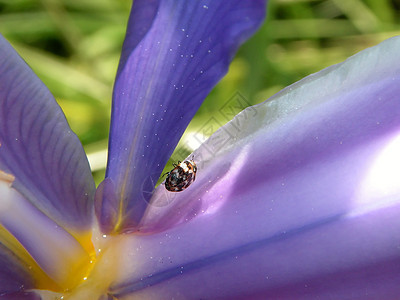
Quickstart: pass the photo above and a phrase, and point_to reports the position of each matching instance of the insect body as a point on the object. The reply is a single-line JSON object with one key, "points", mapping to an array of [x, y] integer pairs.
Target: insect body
{"points": [[181, 176]]}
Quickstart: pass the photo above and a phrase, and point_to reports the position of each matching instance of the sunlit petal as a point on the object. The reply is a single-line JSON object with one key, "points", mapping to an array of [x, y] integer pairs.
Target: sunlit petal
{"points": [[281, 210]]}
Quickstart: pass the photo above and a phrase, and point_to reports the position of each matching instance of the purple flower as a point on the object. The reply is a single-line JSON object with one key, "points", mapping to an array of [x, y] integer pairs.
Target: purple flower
{"points": [[295, 198]]}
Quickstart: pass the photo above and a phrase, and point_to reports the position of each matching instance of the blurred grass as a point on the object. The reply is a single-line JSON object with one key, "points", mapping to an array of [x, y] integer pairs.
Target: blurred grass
{"points": [[74, 45]]}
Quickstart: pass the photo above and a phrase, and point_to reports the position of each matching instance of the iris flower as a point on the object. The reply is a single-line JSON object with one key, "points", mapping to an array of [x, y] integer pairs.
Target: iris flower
{"points": [[295, 198]]}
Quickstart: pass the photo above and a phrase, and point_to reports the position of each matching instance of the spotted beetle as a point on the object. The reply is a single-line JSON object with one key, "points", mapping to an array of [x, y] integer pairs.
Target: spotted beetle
{"points": [[181, 176]]}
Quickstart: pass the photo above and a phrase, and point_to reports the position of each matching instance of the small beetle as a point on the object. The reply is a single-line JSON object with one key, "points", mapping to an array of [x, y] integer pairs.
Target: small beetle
{"points": [[181, 176]]}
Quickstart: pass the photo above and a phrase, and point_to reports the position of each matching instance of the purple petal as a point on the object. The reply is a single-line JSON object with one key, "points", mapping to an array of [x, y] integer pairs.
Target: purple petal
{"points": [[106, 205], [336, 258], [21, 296], [14, 275], [39, 148], [174, 53], [302, 201]]}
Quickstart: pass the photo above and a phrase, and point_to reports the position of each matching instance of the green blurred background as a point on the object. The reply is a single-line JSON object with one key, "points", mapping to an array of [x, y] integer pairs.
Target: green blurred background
{"points": [[74, 46]]}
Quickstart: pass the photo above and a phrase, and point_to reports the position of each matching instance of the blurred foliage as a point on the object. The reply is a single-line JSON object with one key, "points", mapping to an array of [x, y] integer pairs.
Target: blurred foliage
{"points": [[74, 46]]}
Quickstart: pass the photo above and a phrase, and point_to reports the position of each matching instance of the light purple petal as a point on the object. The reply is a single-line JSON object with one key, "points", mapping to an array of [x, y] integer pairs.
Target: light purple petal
{"points": [[39, 148], [174, 53], [14, 276], [302, 201], [56, 252]]}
